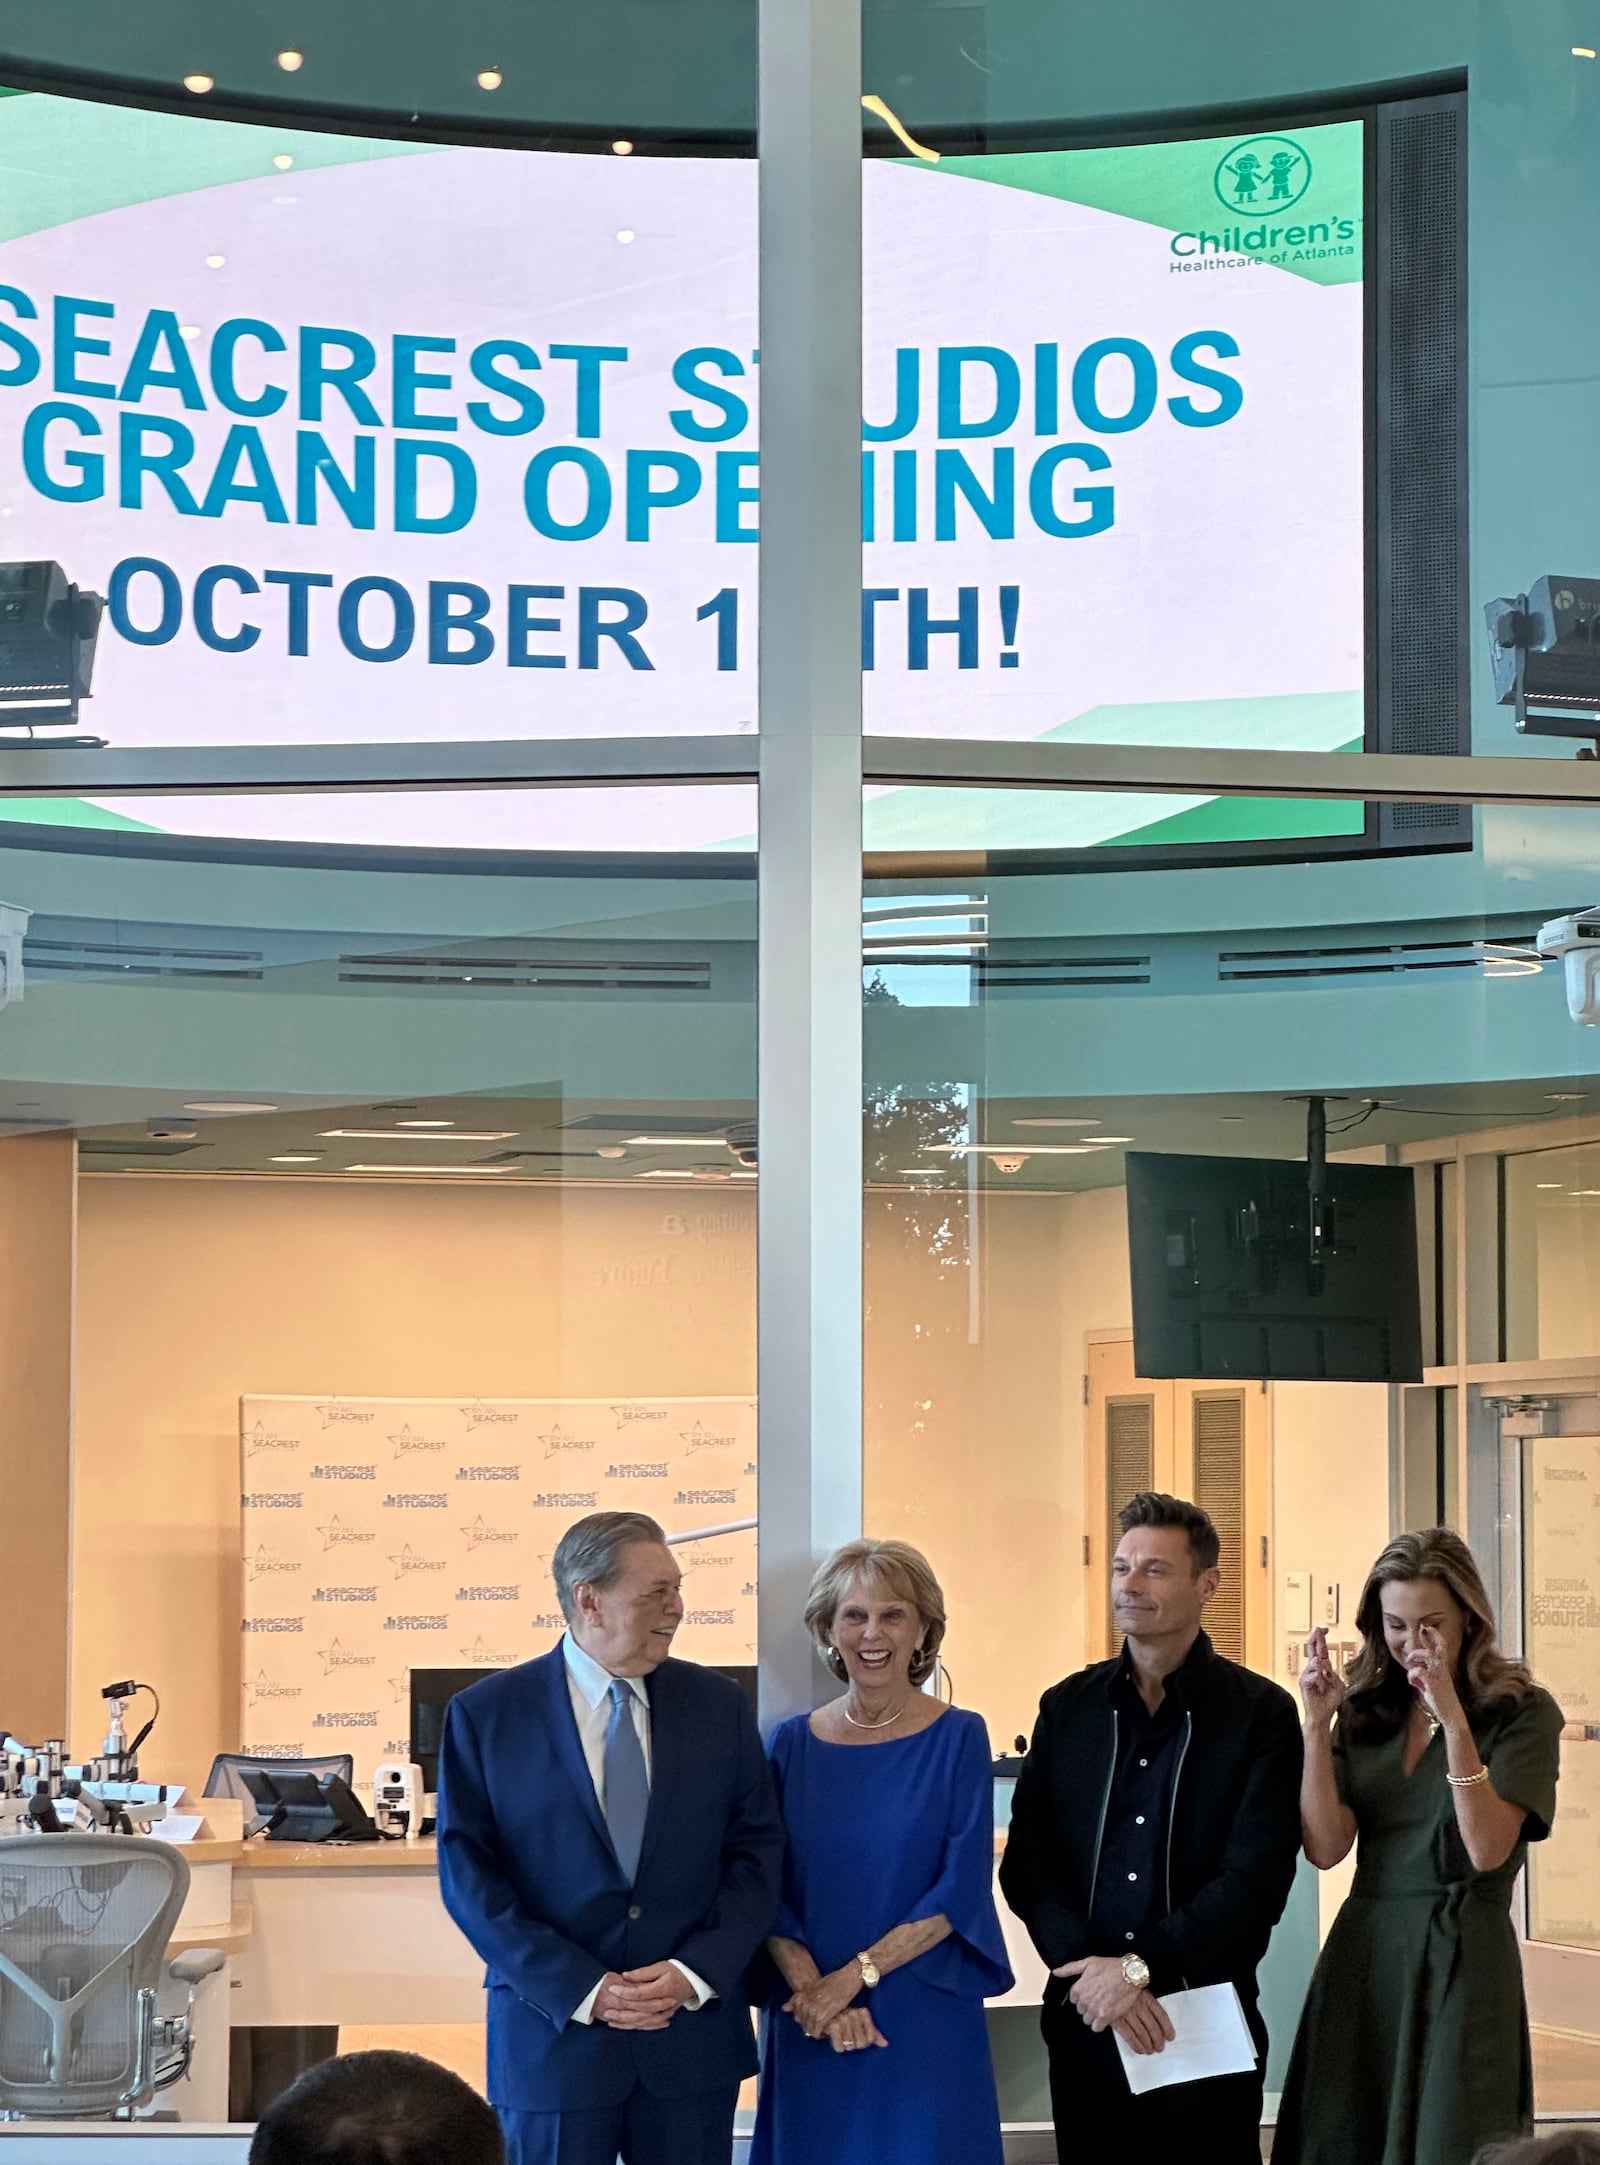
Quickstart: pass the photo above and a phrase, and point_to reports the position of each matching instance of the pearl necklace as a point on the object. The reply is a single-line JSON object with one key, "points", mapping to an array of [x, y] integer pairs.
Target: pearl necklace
{"points": [[887, 1724]]}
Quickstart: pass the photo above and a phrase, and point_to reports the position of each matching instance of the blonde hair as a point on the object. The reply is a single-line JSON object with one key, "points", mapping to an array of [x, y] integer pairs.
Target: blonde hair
{"points": [[893, 1567], [1380, 1695]]}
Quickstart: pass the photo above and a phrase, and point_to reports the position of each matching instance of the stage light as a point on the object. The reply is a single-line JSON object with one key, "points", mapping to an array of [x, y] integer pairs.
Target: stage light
{"points": [[48, 629], [1545, 649]]}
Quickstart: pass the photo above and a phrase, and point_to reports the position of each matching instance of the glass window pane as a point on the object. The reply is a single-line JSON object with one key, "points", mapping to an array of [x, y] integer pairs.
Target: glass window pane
{"points": [[1552, 1251], [417, 1181], [1036, 1032]]}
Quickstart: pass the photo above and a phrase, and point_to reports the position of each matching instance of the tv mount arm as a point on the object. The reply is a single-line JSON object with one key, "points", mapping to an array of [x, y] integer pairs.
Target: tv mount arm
{"points": [[1320, 1241]]}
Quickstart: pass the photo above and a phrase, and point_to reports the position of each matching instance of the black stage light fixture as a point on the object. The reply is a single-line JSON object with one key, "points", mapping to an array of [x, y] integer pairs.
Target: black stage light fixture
{"points": [[48, 629], [1545, 647]]}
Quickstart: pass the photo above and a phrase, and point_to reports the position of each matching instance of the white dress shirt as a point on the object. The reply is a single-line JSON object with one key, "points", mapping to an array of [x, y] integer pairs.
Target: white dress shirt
{"points": [[590, 1686]]}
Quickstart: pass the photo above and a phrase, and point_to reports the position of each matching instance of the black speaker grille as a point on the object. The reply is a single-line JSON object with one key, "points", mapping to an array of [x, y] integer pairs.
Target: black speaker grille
{"points": [[1422, 600]]}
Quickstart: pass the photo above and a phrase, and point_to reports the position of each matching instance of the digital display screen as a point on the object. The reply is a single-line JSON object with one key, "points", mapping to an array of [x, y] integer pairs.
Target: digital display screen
{"points": [[369, 441]]}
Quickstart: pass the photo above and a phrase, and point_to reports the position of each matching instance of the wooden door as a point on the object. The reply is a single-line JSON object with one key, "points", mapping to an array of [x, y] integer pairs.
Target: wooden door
{"points": [[1204, 1440]]}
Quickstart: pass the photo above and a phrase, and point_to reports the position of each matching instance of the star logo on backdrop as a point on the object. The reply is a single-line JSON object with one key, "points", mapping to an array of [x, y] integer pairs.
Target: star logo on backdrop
{"points": [[339, 1533], [480, 1655], [337, 1655], [480, 1533], [412, 1560]]}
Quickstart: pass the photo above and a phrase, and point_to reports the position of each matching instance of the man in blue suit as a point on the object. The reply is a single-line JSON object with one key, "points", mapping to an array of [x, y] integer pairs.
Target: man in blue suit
{"points": [[609, 1842]]}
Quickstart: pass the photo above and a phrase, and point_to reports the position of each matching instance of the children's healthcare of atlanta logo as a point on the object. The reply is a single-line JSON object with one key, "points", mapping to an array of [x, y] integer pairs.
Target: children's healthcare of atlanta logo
{"points": [[1263, 173]]}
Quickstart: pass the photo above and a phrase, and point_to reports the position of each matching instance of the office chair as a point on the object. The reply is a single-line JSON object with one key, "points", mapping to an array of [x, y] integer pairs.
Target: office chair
{"points": [[84, 1925], [226, 1778]]}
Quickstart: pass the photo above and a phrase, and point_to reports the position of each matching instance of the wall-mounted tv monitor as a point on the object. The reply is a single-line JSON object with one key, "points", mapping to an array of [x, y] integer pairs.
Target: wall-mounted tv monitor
{"points": [[1224, 1284], [395, 440]]}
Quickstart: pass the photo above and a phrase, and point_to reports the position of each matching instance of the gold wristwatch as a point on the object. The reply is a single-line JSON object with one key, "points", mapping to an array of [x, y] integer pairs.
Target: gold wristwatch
{"points": [[869, 1970], [1136, 1969]]}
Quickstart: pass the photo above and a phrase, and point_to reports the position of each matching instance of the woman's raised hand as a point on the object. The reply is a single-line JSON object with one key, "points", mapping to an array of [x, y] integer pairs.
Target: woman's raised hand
{"points": [[1428, 1672], [1322, 1688]]}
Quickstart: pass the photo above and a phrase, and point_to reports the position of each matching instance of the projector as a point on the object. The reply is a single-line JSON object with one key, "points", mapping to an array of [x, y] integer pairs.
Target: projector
{"points": [[1575, 941]]}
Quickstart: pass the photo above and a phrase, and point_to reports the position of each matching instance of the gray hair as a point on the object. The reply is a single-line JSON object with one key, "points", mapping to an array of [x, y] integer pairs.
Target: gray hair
{"points": [[591, 1553]]}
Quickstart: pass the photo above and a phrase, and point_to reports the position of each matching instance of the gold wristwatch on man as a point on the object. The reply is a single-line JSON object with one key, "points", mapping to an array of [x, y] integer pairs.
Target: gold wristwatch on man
{"points": [[1136, 1969]]}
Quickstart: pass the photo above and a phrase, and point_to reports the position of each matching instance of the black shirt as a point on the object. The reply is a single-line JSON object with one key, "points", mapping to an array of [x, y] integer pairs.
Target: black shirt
{"points": [[1130, 1889]]}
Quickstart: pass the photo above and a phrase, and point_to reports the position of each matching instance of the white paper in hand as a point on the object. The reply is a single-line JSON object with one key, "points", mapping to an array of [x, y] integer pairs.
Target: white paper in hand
{"points": [[1212, 2039]]}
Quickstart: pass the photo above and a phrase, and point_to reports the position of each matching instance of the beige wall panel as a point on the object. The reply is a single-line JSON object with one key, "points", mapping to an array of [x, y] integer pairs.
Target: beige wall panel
{"points": [[194, 1292], [36, 1180]]}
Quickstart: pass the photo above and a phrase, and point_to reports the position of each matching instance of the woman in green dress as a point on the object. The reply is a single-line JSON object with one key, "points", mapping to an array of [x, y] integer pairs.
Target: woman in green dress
{"points": [[1437, 1761]]}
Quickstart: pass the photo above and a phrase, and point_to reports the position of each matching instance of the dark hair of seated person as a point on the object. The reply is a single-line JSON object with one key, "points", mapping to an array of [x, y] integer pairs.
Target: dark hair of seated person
{"points": [[378, 2108], [1574, 2146]]}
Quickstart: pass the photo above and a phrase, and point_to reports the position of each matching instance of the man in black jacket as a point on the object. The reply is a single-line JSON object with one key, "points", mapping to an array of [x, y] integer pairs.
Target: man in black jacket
{"points": [[1154, 1833]]}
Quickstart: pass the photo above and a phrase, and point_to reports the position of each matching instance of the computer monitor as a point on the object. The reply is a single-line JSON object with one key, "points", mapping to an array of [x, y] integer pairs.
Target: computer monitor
{"points": [[745, 1678], [431, 1692], [1224, 1281]]}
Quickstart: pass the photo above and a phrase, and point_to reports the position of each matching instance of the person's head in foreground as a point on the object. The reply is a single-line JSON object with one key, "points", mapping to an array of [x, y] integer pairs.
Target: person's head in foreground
{"points": [[1578, 2146], [379, 2108]]}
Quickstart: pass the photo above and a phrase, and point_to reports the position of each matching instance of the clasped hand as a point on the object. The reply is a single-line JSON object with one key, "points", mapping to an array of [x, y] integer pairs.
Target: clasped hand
{"points": [[644, 1999], [1106, 2001], [823, 2010]]}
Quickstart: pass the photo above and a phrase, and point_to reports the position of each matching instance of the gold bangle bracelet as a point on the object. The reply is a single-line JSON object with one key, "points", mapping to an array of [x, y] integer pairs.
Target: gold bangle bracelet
{"points": [[1468, 1781]]}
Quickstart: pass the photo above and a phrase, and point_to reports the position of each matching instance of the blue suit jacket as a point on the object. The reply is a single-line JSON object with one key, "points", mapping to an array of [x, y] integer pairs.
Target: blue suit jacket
{"points": [[529, 1874]]}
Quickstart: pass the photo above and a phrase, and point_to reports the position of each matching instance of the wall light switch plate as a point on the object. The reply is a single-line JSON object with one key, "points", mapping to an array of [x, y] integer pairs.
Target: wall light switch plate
{"points": [[1328, 1601], [1297, 1601]]}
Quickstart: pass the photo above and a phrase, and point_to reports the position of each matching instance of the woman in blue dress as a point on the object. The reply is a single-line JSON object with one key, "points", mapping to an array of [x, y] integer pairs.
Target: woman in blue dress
{"points": [[887, 1941]]}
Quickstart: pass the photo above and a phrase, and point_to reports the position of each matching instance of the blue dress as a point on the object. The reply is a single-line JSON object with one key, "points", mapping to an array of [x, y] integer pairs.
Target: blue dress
{"points": [[880, 1835]]}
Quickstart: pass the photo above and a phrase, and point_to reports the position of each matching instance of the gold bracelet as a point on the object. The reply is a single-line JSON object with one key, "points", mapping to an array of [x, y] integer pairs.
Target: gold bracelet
{"points": [[1467, 1781]]}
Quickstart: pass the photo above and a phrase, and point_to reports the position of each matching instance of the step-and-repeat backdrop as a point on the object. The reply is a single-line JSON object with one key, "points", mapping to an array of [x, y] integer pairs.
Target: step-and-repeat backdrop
{"points": [[385, 1534]]}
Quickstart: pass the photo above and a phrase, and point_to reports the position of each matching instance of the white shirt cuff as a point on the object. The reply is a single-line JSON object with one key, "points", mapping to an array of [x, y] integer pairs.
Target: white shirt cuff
{"points": [[584, 2011], [702, 1991]]}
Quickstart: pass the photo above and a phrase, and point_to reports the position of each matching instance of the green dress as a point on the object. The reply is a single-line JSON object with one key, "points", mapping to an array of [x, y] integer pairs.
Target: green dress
{"points": [[1413, 2047]]}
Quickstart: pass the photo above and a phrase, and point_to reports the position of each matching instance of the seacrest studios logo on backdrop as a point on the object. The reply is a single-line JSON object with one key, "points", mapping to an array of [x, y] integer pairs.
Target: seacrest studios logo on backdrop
{"points": [[350, 1582], [1277, 208]]}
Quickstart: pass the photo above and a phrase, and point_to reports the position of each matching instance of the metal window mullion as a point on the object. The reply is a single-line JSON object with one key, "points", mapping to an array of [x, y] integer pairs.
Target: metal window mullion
{"points": [[809, 1021]]}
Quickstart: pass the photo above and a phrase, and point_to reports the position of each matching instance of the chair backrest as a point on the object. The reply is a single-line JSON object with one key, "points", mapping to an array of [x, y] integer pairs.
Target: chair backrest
{"points": [[84, 1925], [226, 1778]]}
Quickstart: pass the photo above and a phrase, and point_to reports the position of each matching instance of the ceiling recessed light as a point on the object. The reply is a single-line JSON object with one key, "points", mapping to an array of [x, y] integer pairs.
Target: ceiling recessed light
{"points": [[627, 236], [1549, 1183], [402, 1135], [1054, 1120], [189, 330], [1038, 1150], [458, 1170], [215, 263], [622, 147], [283, 161], [298, 1157], [1565, 1097], [424, 1123], [490, 78], [612, 1150], [1583, 52], [675, 1142], [291, 62], [219, 1106], [1586, 1191], [199, 84]]}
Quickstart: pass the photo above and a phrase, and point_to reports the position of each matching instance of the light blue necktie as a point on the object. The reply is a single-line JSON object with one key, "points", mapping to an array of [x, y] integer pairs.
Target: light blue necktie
{"points": [[627, 1797]]}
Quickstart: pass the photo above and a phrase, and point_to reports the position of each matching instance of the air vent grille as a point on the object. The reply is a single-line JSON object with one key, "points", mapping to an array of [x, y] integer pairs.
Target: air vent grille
{"points": [[1065, 973], [528, 973], [1510, 955], [92, 958]]}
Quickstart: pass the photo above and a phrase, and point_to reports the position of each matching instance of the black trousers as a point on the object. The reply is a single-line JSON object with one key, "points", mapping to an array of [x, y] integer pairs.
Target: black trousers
{"points": [[1097, 2115], [640, 2130]]}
